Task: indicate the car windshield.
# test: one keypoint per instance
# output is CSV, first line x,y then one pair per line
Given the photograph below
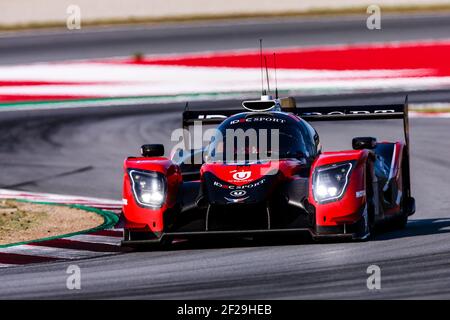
x,y
254,139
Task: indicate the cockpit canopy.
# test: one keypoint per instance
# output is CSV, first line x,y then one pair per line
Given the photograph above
x,y
260,136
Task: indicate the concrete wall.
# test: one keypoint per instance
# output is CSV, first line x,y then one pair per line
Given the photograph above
x,y
14,12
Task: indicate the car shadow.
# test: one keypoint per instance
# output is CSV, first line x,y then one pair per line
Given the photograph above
x,y
239,243
414,228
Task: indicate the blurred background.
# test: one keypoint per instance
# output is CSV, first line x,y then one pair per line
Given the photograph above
x,y
166,51
84,83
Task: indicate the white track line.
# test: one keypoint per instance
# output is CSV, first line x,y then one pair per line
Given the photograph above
x,y
125,80
115,241
5,193
51,252
413,114
3,265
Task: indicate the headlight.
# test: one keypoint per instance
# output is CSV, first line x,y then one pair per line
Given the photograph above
x,y
330,181
149,188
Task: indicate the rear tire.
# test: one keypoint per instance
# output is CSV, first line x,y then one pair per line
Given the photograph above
x,y
401,220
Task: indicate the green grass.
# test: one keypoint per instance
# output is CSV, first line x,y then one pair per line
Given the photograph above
x,y
13,220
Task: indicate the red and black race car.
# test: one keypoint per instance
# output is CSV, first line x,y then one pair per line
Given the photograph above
x,y
237,189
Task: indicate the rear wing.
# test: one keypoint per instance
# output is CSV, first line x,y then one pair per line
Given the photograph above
x,y
207,117
362,112
365,112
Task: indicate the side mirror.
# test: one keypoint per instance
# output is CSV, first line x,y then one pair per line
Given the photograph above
x,y
359,143
152,150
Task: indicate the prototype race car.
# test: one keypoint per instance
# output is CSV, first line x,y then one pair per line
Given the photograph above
x,y
292,187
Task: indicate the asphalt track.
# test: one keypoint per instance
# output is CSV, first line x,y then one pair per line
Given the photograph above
x,y
227,35
80,151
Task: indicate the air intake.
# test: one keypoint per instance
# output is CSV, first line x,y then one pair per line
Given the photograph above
x,y
261,105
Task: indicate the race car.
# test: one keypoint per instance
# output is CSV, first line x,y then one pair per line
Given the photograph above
x,y
292,187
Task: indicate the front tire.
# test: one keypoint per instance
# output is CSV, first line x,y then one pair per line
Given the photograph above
x,y
368,215
367,226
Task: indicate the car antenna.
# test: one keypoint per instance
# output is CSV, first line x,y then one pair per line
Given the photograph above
x,y
263,92
276,80
267,75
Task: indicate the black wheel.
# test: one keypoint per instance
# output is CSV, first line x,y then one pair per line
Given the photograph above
x,y
401,220
369,211
367,225
126,234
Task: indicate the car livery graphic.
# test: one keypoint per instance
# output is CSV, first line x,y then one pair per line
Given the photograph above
x,y
298,189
